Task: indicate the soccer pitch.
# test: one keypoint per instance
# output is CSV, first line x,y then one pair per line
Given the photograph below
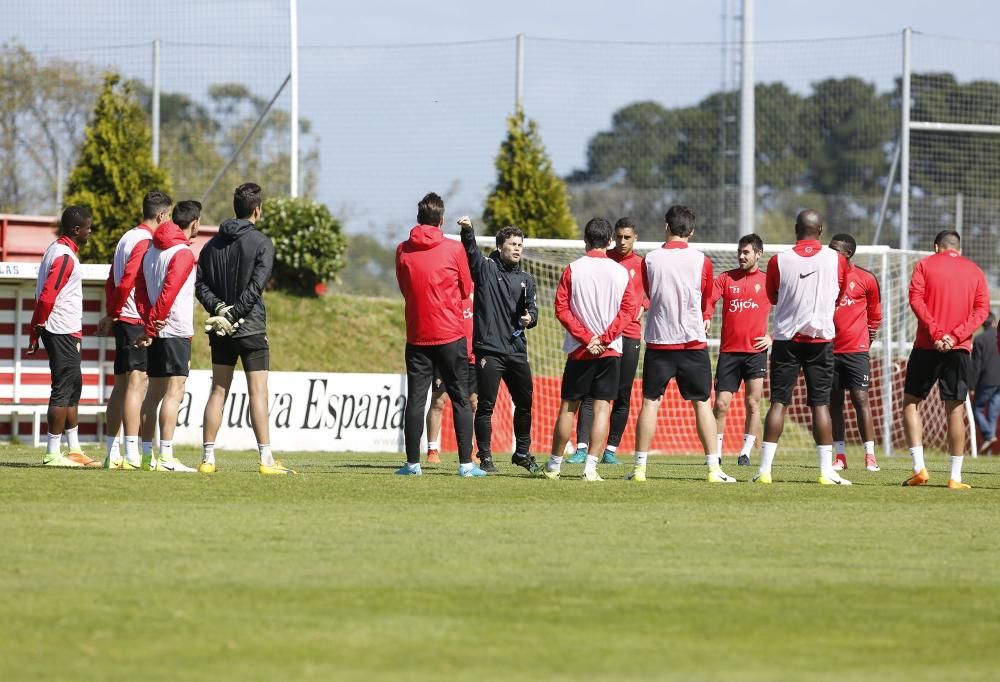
x,y
348,572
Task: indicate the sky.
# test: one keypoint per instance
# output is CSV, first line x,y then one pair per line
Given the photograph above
x,y
407,97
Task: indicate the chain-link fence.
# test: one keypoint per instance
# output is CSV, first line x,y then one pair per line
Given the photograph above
x,y
632,127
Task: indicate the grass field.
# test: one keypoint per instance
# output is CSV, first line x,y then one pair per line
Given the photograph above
x,y
347,572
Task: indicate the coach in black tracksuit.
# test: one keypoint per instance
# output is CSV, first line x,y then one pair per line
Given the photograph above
x,y
504,307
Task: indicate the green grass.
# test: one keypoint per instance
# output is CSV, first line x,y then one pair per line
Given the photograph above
x,y
329,334
347,572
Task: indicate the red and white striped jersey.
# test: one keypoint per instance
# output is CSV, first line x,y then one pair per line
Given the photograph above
x,y
804,283
59,291
678,282
165,286
594,298
119,290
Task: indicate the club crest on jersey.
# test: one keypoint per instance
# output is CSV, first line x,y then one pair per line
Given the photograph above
x,y
851,285
809,249
756,288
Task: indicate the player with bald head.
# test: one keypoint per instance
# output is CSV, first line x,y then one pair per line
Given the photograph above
x,y
804,284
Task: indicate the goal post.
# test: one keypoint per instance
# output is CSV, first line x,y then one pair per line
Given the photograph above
x,y
546,259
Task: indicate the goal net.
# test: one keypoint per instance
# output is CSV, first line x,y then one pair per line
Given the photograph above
x,y
675,433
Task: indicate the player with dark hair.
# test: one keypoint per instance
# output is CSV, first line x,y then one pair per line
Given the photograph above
x,y
744,341
503,309
233,270
433,276
950,297
678,281
122,318
165,294
625,235
804,284
594,303
58,321
858,317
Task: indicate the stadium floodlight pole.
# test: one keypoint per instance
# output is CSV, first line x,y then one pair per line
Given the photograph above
x,y
293,148
156,102
519,74
904,159
747,137
245,140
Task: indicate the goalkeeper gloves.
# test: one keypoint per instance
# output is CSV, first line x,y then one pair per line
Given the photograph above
x,y
221,325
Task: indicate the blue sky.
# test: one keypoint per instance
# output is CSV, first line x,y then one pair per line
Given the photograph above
x,y
426,111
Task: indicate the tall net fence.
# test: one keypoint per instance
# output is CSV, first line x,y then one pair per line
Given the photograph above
x,y
219,64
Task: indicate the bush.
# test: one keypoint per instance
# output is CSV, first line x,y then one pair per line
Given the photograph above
x,y
308,246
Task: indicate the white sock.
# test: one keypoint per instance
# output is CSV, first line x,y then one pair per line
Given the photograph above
x,y
416,466
718,445
825,454
583,446
208,453
870,447
554,463
265,454
956,468
132,449
767,451
52,444
840,447
917,453
611,448
114,447
433,445
166,449
713,460
640,459
748,440
147,448
73,438
591,465
465,467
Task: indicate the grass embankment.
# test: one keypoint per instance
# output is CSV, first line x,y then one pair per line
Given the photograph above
x,y
335,333
347,572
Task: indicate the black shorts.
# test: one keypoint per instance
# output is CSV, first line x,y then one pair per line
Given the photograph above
x,y
252,350
851,371
64,366
950,370
128,358
597,379
472,382
816,362
169,357
691,368
735,368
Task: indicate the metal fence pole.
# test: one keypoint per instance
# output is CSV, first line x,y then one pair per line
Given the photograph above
x,y
156,103
293,148
904,136
888,362
748,183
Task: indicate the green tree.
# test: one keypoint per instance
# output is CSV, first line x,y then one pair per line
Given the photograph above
x,y
115,168
528,192
308,245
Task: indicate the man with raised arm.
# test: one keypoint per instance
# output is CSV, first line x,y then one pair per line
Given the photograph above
x,y
594,303
745,341
804,284
950,297
504,308
858,317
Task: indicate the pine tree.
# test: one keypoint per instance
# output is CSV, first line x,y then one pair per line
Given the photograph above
x,y
528,192
115,169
